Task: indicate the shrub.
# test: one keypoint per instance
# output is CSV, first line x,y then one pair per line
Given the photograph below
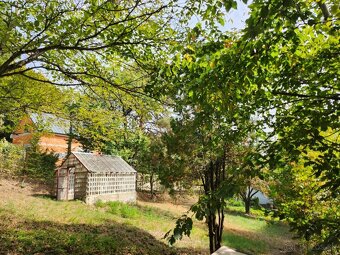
x,y
40,164
235,202
11,158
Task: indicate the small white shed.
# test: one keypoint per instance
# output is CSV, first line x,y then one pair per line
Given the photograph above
x,y
92,177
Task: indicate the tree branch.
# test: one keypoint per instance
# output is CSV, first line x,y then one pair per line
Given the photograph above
x,y
326,14
292,94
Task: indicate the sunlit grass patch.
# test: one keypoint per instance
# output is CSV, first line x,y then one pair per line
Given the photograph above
x,y
134,211
244,243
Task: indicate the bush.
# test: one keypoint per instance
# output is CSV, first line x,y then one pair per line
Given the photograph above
x,y
235,202
40,164
14,160
11,158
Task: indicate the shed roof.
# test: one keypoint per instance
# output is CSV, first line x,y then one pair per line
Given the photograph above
x,y
103,163
51,122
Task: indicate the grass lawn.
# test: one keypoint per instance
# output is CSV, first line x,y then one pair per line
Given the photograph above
x,y
38,224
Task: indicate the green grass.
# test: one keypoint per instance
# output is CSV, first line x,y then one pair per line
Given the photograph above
x,y
41,225
134,211
254,234
244,244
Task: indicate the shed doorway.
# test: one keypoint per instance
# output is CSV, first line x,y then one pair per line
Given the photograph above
x,y
66,184
71,176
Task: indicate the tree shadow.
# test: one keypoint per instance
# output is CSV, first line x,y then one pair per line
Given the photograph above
x,y
44,196
46,237
242,214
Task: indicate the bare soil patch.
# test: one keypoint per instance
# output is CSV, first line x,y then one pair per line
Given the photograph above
x,y
21,188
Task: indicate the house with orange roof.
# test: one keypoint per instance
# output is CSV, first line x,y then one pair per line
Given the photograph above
x,y
53,133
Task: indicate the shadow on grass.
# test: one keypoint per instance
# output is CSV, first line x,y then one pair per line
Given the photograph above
x,y
242,214
46,237
44,196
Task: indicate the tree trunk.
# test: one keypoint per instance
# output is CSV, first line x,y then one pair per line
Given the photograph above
x,y
247,205
211,234
213,178
69,141
70,136
151,186
215,231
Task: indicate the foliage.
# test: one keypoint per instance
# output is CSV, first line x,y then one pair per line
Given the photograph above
x,y
295,67
15,160
310,210
70,39
114,122
291,54
20,95
151,160
281,72
11,158
249,186
249,177
39,164
203,143
183,227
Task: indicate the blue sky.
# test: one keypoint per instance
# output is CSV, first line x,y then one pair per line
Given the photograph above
x,y
235,19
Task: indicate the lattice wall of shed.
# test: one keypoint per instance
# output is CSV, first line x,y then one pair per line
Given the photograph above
x,y
110,183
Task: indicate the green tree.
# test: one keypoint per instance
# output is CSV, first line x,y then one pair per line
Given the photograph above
x,y
283,69
38,163
291,56
11,158
250,177
203,156
309,209
209,126
85,43
114,122
249,185
20,95
151,160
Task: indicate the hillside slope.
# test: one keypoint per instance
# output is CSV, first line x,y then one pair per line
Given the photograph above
x,y
34,223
